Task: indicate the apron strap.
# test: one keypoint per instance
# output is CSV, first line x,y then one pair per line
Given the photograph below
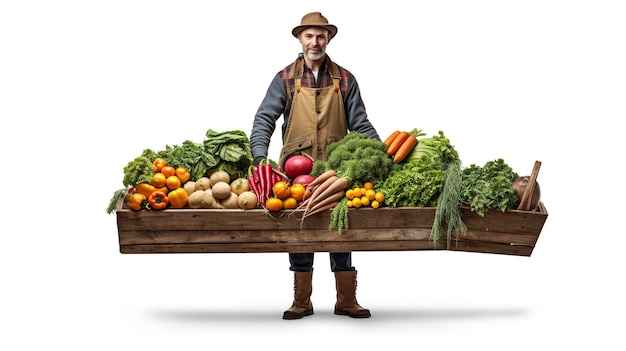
x,y
334,72
297,68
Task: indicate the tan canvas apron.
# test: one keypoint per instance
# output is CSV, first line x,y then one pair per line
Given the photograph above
x,y
317,117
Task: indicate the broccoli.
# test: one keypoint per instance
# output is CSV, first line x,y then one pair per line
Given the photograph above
x,y
359,159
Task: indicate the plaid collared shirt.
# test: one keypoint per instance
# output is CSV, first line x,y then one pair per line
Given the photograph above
x,y
324,80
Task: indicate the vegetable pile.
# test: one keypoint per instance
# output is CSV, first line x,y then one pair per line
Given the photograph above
x,y
408,169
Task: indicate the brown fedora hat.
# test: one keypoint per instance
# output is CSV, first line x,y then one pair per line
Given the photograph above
x,y
314,19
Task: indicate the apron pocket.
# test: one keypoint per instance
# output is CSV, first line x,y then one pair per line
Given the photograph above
x,y
333,138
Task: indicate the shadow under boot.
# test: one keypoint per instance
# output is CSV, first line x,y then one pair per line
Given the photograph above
x,y
346,296
303,287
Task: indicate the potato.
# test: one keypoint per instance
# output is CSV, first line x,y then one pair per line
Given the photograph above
x,y
230,201
190,187
203,183
219,176
221,190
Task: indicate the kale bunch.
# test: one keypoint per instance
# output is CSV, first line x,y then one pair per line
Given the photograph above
x,y
489,187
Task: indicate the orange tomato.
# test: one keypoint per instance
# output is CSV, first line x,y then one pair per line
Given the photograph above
x,y
281,190
183,174
158,179
298,191
168,171
274,204
172,182
290,203
380,197
350,194
365,201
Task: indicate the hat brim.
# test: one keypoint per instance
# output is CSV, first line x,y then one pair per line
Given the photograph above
x,y
332,29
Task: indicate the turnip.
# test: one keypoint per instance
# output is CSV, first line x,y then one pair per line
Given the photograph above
x,y
247,200
239,186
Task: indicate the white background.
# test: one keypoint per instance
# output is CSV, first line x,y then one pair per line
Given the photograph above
x,y
85,86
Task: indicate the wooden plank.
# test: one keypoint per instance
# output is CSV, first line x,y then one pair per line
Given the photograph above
x,y
384,229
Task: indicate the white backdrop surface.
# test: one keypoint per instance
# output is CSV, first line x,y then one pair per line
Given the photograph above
x,y
85,86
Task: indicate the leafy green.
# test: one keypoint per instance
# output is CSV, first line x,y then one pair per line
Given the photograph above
x,y
228,151
417,184
137,171
437,146
489,187
186,155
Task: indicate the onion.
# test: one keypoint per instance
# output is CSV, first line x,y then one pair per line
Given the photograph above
x,y
520,185
303,179
298,165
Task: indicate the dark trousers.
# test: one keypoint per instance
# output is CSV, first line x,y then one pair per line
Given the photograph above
x,y
303,262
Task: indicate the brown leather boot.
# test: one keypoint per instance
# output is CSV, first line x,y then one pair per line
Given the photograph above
x,y
302,305
346,296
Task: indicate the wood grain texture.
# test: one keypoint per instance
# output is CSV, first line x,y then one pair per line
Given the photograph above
x,y
383,229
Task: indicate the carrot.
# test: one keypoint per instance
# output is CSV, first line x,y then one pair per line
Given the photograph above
x,y
319,189
324,202
397,142
321,178
405,149
391,137
333,185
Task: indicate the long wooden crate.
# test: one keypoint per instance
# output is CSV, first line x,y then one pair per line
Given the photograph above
x,y
383,229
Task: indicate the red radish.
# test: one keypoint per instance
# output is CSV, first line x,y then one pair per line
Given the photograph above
x,y
298,165
304,179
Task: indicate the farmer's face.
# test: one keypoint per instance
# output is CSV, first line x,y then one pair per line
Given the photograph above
x,y
314,41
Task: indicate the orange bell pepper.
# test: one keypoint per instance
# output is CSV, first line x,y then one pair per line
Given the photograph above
x,y
137,201
158,164
158,200
147,189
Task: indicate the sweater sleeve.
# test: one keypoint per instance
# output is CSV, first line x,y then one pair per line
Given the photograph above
x,y
356,116
265,119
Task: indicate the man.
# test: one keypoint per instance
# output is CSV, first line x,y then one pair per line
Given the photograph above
x,y
320,102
